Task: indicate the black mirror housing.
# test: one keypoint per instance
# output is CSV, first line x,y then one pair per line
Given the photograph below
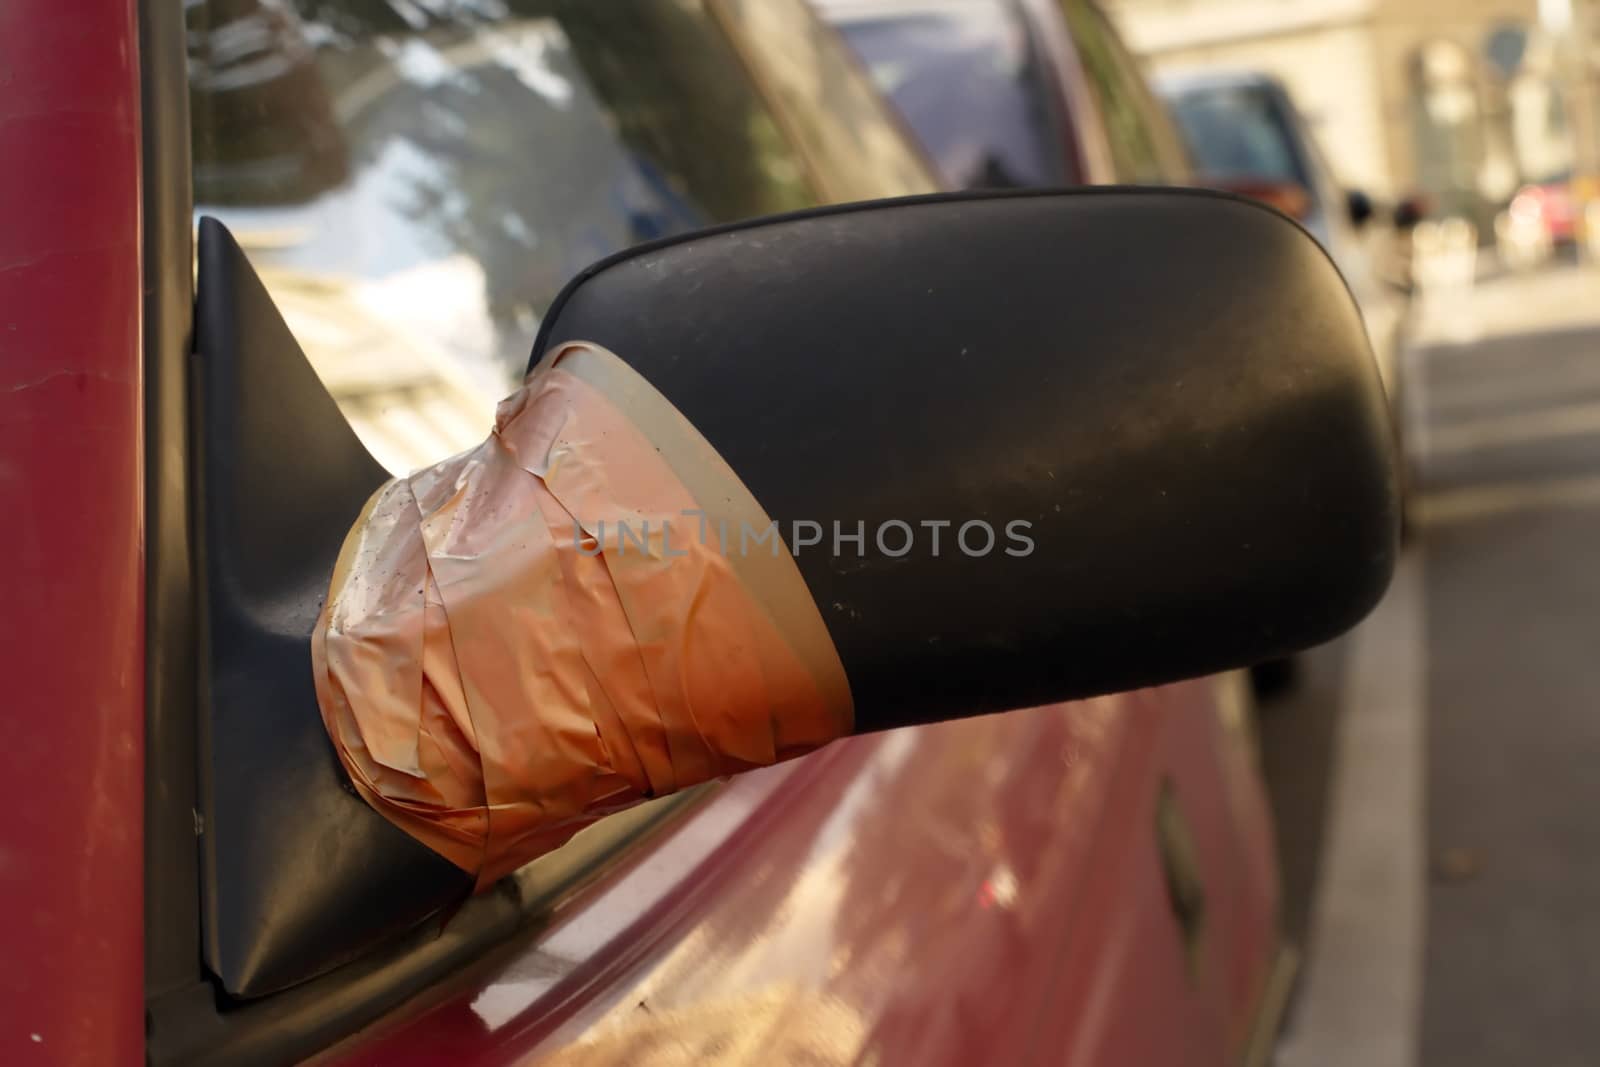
x,y
1172,388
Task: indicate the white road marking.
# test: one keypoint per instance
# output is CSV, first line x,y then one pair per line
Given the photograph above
x,y
1497,431
1360,1000
1488,501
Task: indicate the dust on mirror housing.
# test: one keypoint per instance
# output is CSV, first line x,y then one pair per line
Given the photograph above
x,y
1172,388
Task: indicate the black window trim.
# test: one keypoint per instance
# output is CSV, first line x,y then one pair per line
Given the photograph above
x,y
171,882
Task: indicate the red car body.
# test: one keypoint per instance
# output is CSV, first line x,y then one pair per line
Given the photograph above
x,y
980,892
1083,884
71,423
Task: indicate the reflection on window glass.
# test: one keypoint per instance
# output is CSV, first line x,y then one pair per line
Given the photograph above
x,y
416,179
831,109
1237,131
969,85
1125,105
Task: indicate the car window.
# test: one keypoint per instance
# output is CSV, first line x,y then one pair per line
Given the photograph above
x,y
416,181
1144,148
969,82
828,105
1238,131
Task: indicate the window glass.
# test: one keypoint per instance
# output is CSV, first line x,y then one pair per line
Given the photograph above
x,y
969,83
416,179
1144,149
832,111
1237,131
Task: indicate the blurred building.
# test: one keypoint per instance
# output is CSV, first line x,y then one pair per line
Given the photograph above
x,y
1465,100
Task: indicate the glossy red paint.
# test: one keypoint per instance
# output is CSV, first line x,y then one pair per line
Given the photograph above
x,y
986,891
71,641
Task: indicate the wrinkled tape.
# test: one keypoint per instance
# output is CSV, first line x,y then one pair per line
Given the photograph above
x,y
495,674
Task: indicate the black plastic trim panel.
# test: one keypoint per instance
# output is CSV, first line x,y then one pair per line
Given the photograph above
x,y
298,873
171,900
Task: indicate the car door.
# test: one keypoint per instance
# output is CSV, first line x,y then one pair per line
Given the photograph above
x,y
375,163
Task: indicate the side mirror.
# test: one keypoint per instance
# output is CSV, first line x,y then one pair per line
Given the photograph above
x,y
1359,207
1172,390
1291,198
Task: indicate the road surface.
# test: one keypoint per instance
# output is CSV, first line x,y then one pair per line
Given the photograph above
x,y
1455,840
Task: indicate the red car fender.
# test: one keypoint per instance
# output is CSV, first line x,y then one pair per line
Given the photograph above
x,y
988,890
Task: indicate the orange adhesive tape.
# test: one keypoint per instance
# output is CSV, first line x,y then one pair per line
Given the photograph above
x,y
537,632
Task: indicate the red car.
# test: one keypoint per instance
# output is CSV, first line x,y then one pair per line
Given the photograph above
x,y
1557,206
409,193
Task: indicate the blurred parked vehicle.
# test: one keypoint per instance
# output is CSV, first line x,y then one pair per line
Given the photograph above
x,y
1522,234
1247,136
1555,205
1011,93
190,877
1558,214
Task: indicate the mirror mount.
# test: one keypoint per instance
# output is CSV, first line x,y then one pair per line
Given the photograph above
x,y
280,477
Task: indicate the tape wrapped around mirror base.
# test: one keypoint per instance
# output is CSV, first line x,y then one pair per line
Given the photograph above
x,y
547,628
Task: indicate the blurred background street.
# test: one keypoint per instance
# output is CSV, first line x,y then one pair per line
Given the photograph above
x,y
1443,866
1471,896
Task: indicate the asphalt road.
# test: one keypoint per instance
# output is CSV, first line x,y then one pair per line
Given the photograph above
x,y
1475,939
1512,549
